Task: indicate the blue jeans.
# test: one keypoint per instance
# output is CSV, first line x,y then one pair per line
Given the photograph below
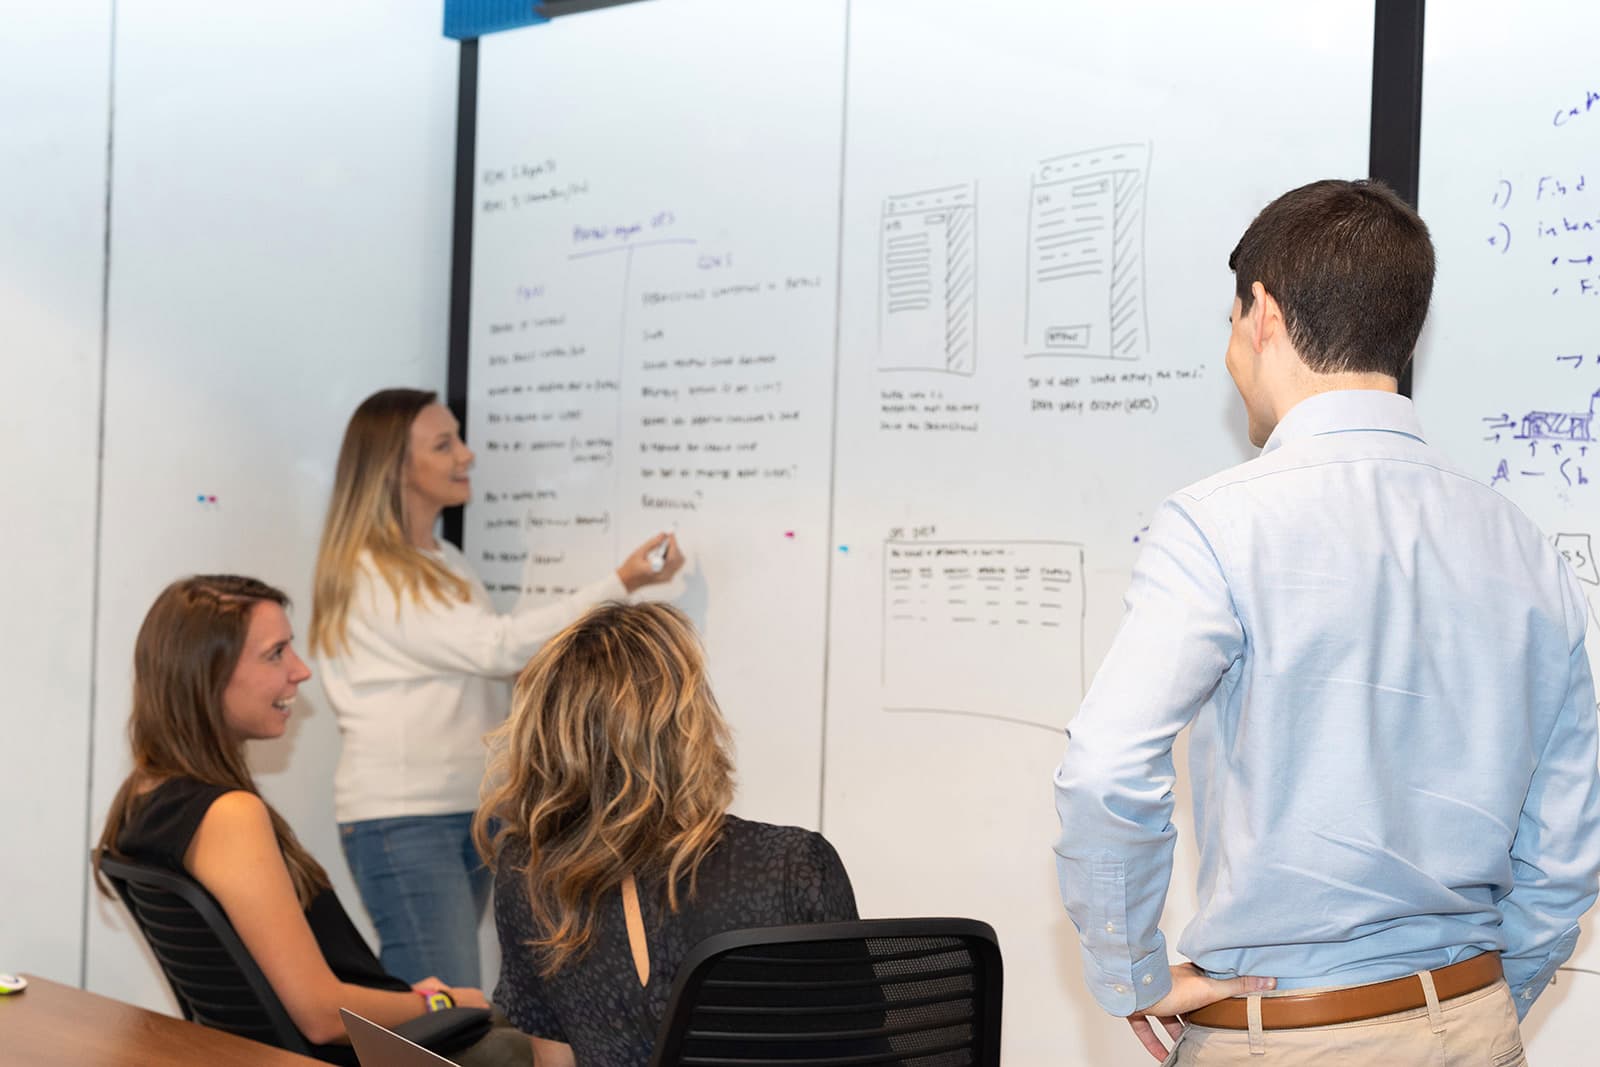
x,y
425,889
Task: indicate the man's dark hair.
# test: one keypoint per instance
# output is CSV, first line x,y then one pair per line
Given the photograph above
x,y
1350,264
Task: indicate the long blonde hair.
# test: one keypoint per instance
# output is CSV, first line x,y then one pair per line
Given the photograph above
x,y
185,654
366,514
614,762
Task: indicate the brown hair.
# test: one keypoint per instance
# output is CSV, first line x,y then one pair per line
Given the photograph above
x,y
366,515
185,655
614,762
1350,264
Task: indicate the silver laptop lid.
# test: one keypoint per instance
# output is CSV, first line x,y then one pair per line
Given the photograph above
x,y
377,1047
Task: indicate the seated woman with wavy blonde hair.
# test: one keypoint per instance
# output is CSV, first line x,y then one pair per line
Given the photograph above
x,y
608,830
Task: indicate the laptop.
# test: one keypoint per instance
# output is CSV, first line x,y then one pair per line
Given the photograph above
x,y
378,1047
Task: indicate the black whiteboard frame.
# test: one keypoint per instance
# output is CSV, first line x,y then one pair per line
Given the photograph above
x,y
1393,154
461,258
1395,149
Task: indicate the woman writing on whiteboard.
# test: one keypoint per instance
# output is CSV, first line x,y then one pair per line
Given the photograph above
x,y
413,658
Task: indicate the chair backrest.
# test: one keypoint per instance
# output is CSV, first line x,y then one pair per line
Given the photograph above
x,y
911,992
212,974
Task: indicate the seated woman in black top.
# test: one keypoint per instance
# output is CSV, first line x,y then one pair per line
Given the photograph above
x,y
612,780
214,668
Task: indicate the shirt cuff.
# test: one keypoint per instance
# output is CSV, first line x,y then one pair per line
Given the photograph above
x,y
1524,993
1129,993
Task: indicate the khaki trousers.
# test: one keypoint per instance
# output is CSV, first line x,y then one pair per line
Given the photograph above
x,y
1475,1030
503,1046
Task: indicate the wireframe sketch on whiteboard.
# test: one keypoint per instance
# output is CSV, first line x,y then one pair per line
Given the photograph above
x,y
1560,425
928,281
984,628
1086,285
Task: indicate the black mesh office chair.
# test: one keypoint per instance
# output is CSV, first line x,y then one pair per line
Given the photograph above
x,y
212,974
909,992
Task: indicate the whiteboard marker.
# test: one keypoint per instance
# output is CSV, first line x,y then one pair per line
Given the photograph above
x,y
658,555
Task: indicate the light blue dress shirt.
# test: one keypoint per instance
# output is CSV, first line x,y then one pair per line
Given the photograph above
x,y
1393,752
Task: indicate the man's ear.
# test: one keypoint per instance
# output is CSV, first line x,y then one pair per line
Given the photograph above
x,y
1266,317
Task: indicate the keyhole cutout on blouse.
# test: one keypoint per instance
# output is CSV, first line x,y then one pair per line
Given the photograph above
x,y
635,920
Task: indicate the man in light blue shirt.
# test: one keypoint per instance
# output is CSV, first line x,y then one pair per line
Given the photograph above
x,y
1393,753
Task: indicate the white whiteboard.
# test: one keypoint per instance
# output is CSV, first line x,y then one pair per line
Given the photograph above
x,y
1093,166
54,108
654,257
993,414
1509,369
258,292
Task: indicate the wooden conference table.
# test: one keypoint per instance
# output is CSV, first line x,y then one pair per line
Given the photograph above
x,y
53,1025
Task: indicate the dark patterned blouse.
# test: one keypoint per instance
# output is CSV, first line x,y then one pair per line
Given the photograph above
x,y
757,875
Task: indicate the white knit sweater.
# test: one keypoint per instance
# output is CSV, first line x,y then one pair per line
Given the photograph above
x,y
421,683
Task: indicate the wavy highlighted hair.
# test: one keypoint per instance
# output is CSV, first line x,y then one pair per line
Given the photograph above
x,y
614,762
366,517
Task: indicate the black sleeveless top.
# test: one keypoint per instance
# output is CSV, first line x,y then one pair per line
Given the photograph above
x,y
757,875
158,832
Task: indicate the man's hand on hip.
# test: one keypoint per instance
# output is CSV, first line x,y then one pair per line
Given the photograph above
x,y
1191,990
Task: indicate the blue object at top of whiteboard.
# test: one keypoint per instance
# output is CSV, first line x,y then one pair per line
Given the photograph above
x,y
465,19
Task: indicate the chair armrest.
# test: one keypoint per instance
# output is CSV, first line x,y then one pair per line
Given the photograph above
x,y
448,1030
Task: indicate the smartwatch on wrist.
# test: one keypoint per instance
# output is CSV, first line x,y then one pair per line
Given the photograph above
x,y
437,1000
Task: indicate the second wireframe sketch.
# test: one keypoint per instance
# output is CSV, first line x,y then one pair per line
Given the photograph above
x,y
1085,282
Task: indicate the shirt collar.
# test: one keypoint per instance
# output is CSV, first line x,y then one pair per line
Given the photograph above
x,y
1345,411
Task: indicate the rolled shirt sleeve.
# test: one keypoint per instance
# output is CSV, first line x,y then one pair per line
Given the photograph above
x,y
1114,787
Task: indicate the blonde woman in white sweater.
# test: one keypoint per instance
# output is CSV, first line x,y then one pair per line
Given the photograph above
x,y
414,659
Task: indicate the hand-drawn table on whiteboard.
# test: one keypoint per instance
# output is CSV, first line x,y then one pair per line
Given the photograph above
x,y
986,628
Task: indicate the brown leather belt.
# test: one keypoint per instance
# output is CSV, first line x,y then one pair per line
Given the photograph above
x,y
1330,1007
